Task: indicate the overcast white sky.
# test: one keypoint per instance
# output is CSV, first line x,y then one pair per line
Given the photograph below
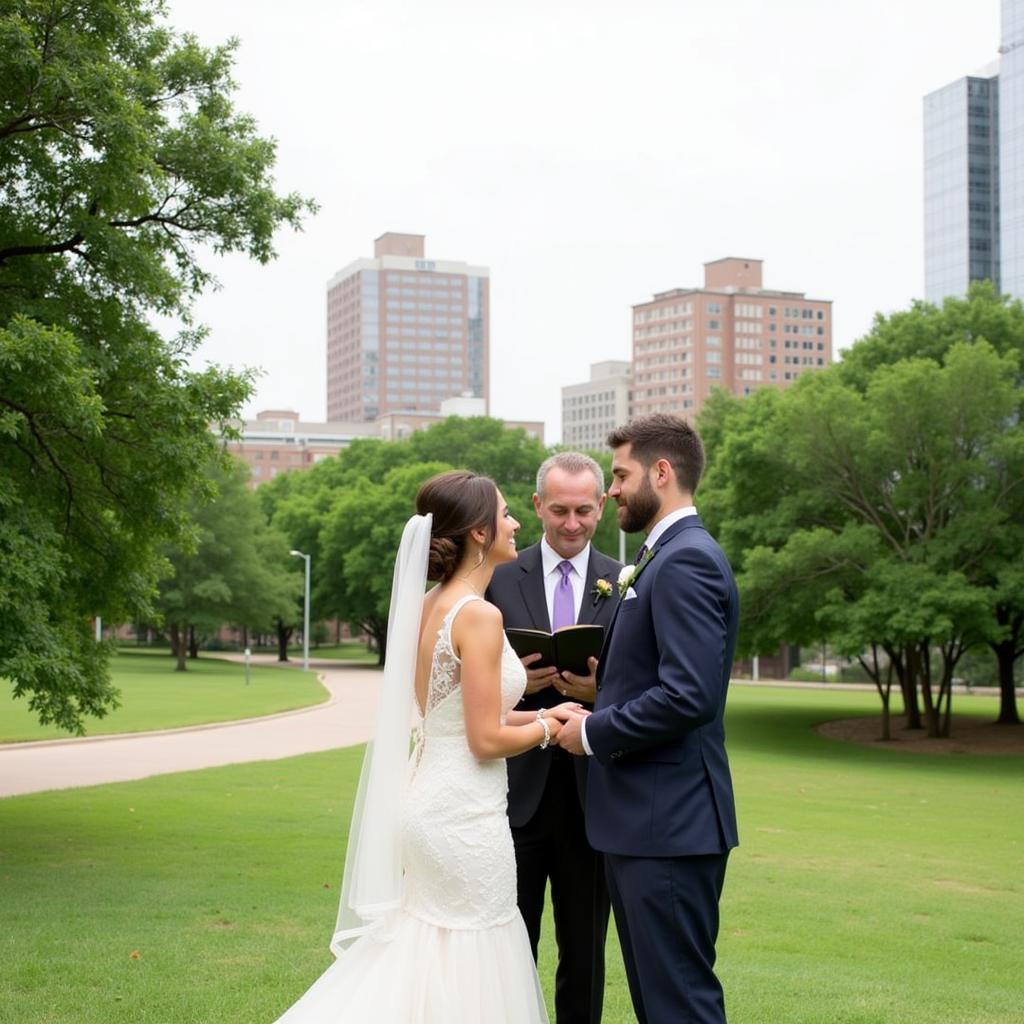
x,y
589,153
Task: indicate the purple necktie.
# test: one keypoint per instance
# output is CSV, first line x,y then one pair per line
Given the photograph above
x,y
564,608
640,554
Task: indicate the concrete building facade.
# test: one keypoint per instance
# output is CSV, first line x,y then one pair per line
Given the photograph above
x,y
405,332
277,441
591,409
732,333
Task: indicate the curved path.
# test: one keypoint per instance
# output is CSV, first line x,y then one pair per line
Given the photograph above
x,y
346,718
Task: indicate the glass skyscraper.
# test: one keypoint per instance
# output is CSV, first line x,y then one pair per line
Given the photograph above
x,y
974,173
961,186
1011,147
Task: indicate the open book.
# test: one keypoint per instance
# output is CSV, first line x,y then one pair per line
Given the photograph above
x,y
567,648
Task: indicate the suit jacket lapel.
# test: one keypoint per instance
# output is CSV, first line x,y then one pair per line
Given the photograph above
x,y
531,586
588,609
672,531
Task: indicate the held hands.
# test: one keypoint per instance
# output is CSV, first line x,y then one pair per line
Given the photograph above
x,y
564,721
556,718
563,712
569,734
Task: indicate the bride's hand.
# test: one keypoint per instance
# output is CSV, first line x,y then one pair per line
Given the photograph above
x,y
562,712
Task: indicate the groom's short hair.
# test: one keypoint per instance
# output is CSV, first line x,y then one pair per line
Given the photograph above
x,y
663,436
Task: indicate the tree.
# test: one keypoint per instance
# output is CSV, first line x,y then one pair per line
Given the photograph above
x,y
236,571
358,542
121,160
869,512
348,511
930,331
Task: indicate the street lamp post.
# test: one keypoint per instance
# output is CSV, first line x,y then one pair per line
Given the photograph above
x,y
305,612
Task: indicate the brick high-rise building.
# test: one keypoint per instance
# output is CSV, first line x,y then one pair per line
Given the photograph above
x,y
733,333
405,332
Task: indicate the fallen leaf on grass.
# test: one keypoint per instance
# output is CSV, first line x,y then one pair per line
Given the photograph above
x,y
134,955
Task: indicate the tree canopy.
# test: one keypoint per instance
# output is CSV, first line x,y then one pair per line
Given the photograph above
x,y
348,511
235,569
122,162
879,503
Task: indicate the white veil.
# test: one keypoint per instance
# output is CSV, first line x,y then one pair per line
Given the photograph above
x,y
371,889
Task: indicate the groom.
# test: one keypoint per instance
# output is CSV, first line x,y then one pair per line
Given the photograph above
x,y
659,796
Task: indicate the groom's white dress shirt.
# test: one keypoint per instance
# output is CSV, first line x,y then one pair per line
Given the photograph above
x,y
650,540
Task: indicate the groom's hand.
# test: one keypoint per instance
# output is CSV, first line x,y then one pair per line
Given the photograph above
x,y
581,688
569,735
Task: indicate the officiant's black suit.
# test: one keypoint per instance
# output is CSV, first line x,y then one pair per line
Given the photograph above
x,y
546,795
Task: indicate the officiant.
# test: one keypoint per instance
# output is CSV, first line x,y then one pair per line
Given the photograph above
x,y
560,581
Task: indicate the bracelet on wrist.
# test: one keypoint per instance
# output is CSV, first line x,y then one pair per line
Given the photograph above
x,y
540,713
547,733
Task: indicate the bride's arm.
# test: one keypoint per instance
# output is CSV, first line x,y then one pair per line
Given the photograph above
x,y
478,639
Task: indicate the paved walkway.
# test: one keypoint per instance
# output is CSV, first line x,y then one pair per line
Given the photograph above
x,y
345,719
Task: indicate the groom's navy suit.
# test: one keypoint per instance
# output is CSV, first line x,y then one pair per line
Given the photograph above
x,y
659,794
546,791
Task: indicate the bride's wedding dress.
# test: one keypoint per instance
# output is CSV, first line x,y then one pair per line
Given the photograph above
x,y
459,952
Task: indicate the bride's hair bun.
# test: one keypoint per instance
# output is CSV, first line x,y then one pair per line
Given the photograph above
x,y
459,502
444,558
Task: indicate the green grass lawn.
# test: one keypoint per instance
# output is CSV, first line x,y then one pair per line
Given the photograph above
x,y
871,887
154,696
347,650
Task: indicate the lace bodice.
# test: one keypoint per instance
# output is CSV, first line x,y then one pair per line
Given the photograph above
x,y
443,717
457,854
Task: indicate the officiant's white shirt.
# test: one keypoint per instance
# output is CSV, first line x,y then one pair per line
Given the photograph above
x,y
650,540
550,561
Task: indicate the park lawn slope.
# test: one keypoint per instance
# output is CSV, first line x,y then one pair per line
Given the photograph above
x,y
154,696
870,887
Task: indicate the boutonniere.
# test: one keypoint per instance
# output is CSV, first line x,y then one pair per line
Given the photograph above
x,y
602,589
628,573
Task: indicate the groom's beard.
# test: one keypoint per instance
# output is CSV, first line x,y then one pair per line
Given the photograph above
x,y
637,510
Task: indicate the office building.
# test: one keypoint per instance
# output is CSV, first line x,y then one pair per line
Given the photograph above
x,y
974,173
732,333
1011,149
961,185
593,408
405,332
277,441
394,426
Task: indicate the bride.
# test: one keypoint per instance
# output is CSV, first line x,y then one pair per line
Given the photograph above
x,y
428,929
